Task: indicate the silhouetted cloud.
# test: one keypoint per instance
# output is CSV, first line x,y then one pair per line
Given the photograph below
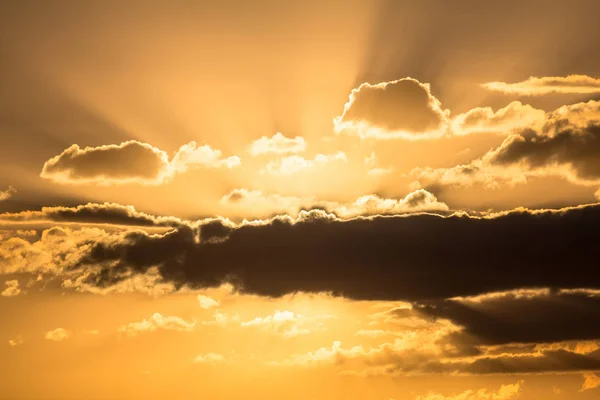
x,y
404,108
92,213
516,115
402,257
129,162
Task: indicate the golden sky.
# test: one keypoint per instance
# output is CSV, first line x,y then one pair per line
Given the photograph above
x,y
360,199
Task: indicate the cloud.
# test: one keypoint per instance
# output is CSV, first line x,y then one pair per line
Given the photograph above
x,y
8,193
404,109
209,358
590,381
294,164
207,302
519,316
12,288
533,86
287,323
58,334
16,342
129,162
93,213
506,392
411,257
565,144
485,120
278,144
158,322
253,200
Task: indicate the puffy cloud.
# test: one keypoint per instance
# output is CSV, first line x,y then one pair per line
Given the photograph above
x,y
404,108
12,288
58,334
294,164
191,155
485,120
129,162
565,144
533,86
590,381
206,302
16,342
505,392
385,257
8,193
278,144
158,322
93,213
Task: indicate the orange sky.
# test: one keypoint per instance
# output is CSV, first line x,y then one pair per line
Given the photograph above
x,y
299,200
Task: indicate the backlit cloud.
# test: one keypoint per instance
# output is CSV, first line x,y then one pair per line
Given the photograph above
x,y
534,86
590,381
12,288
505,392
7,194
404,109
485,120
294,164
278,144
158,322
130,162
58,334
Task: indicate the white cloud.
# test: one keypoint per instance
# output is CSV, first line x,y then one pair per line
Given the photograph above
x,y
294,164
158,322
58,334
207,302
278,144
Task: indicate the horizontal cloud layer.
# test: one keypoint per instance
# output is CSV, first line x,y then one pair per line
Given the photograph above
x,y
398,257
533,86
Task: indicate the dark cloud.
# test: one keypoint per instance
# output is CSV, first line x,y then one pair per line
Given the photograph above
x,y
410,257
577,148
91,213
402,106
519,317
128,161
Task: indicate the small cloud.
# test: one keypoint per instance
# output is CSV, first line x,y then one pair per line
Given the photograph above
x,y
278,144
15,342
58,334
209,358
12,288
294,164
8,193
590,381
158,322
207,302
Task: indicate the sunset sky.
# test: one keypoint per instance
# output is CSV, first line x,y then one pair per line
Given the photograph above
x,y
304,200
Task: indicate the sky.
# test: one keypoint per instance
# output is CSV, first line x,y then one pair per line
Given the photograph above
x,y
356,200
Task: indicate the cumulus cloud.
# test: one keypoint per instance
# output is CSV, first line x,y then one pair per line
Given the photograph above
x,y
485,120
382,257
294,164
278,144
158,322
287,323
565,144
12,288
8,193
534,86
590,381
58,334
506,392
129,162
404,108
